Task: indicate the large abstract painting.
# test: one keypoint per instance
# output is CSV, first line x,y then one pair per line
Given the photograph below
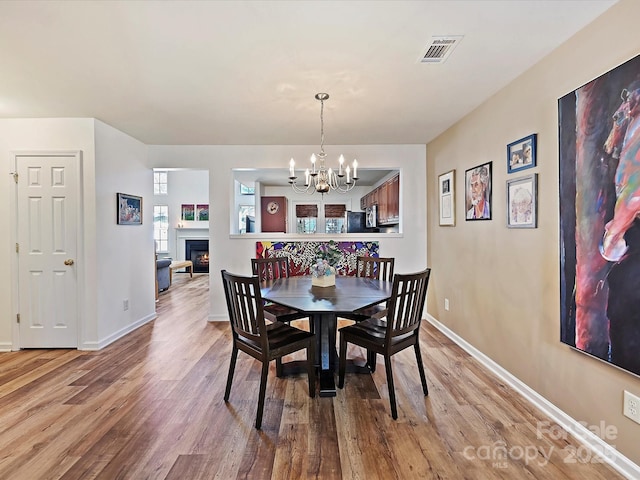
x,y
304,254
599,205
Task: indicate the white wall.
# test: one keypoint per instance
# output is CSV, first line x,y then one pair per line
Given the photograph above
x,y
126,262
111,162
233,252
46,135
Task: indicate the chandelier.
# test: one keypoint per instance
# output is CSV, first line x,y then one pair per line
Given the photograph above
x,y
319,178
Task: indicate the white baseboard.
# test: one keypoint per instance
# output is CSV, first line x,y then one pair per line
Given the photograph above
x,y
616,459
6,346
117,335
218,318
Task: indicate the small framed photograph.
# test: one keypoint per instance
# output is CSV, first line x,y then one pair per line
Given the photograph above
x,y
188,211
521,154
202,212
446,193
522,202
478,192
129,209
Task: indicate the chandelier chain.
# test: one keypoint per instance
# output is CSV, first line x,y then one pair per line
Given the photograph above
x,y
318,178
322,128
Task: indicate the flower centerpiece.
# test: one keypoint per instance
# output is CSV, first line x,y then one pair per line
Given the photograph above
x,y
323,273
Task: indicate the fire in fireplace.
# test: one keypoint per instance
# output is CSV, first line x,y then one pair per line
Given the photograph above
x,y
198,252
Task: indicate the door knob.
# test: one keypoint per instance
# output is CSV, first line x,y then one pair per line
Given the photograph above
x,y
68,262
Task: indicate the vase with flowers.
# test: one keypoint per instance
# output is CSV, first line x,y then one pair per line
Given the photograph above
x,y
323,272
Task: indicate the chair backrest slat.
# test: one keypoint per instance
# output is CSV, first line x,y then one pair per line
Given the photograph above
x,y
244,304
375,267
406,303
270,268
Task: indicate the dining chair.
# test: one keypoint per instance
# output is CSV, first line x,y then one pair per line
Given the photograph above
x,y
264,342
377,268
399,330
272,268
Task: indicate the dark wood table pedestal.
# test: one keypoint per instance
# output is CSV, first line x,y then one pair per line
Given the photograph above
x,y
325,325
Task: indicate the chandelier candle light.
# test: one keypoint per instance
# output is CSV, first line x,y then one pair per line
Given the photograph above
x,y
319,179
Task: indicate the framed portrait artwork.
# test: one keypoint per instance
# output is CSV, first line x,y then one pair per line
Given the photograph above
x,y
521,154
478,192
522,202
188,211
129,209
447,198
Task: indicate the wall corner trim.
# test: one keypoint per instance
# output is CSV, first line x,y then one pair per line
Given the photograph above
x,y
582,434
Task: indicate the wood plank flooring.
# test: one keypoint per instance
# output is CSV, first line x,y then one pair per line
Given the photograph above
x,y
151,406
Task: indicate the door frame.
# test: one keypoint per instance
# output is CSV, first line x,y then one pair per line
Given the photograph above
x,y
80,264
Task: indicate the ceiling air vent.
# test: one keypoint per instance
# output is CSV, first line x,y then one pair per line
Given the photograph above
x,y
440,48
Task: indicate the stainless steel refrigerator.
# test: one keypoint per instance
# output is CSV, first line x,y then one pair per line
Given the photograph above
x,y
356,222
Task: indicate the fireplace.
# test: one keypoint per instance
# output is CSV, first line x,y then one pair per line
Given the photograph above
x,y
198,252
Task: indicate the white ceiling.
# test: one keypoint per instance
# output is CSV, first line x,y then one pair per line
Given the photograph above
x,y
246,72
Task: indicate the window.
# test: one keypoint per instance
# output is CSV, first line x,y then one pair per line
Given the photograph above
x,y
244,190
160,183
306,225
306,218
335,218
161,228
335,225
247,218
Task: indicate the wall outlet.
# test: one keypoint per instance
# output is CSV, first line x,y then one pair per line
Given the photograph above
x,y
631,407
125,305
446,304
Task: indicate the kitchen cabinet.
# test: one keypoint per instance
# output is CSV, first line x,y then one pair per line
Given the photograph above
x,y
387,198
393,200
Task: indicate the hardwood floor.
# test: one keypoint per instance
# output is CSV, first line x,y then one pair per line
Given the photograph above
x,y
151,406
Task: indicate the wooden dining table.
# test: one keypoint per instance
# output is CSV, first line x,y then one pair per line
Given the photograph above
x,y
324,305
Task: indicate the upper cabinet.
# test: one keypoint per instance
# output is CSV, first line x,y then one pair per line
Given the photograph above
x,y
387,198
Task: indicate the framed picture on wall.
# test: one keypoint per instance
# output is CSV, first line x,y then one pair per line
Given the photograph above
x,y
521,154
129,209
599,141
478,192
447,198
522,202
202,212
188,211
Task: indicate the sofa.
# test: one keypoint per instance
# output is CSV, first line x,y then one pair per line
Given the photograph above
x,y
162,267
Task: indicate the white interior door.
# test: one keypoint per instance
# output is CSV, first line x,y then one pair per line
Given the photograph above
x,y
47,245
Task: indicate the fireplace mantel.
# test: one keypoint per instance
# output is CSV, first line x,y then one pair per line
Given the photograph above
x,y
188,233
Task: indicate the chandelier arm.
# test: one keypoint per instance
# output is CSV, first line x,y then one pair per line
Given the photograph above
x,y
345,188
308,190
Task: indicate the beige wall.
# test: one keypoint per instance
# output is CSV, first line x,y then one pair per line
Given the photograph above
x,y
503,284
